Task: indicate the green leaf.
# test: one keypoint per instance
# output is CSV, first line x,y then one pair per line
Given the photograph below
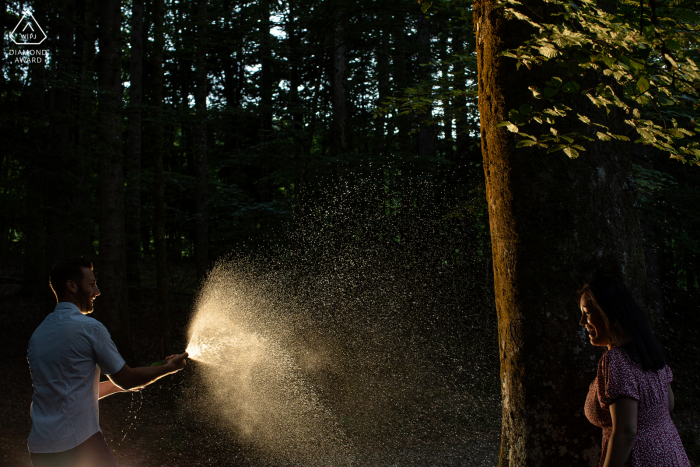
x,y
687,15
673,45
425,5
509,126
571,152
643,84
571,86
551,92
584,119
646,135
525,109
603,136
524,143
548,51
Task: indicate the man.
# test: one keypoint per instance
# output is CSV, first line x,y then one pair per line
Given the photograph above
x,y
66,355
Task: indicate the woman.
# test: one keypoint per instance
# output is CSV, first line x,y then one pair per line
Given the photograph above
x,y
631,398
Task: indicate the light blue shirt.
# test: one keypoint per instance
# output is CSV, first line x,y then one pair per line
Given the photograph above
x,y
66,353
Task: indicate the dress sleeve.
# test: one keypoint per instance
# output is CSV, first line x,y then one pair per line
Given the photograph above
x,y
667,374
616,378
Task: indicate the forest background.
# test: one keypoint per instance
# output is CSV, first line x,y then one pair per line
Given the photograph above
x,y
156,137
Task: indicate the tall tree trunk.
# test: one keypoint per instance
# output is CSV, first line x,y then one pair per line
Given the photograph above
x,y
36,268
159,181
86,127
114,304
425,135
62,219
133,184
446,104
380,131
459,103
201,243
400,81
555,223
340,111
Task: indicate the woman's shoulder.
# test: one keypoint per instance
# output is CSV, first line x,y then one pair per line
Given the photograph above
x,y
615,354
616,359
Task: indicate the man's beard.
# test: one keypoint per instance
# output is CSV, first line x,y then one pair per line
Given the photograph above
x,y
84,302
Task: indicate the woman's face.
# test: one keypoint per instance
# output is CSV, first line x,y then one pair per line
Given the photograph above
x,y
592,318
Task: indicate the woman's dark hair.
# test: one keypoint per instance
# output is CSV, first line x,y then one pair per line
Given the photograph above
x,y
65,270
627,323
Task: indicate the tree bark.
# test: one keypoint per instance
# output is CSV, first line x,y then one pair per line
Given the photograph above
x,y
159,181
201,243
133,185
425,134
383,87
555,223
113,305
340,112
63,221
36,268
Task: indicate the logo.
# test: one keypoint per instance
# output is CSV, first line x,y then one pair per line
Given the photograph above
x,y
28,31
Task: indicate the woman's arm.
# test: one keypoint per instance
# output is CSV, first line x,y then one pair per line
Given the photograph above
x,y
671,400
624,432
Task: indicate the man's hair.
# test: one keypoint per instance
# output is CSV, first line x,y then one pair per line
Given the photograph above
x,y
65,270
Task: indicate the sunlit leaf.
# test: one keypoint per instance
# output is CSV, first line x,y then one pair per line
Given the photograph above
x,y
571,152
643,84
524,143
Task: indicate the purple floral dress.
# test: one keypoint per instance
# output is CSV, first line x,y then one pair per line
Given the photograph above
x,y
657,443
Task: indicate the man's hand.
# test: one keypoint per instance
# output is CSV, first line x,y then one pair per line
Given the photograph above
x,y
131,378
178,362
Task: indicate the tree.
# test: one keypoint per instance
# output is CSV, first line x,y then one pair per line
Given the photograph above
x,y
555,223
201,243
114,306
133,186
159,180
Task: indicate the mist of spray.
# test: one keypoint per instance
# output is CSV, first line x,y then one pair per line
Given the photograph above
x,y
253,382
359,335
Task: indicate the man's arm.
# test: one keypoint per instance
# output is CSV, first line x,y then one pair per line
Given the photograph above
x,y
130,378
107,388
624,417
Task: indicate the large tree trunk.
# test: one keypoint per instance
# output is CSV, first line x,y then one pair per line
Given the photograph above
x,y
159,181
201,242
133,185
36,268
114,306
555,223
62,220
340,111
86,127
383,87
425,135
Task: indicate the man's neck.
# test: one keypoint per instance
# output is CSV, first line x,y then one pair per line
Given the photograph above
x,y
73,301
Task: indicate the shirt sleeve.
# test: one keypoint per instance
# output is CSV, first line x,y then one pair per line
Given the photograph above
x,y
106,353
615,379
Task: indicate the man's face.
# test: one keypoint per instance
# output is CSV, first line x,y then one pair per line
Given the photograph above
x,y
87,291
